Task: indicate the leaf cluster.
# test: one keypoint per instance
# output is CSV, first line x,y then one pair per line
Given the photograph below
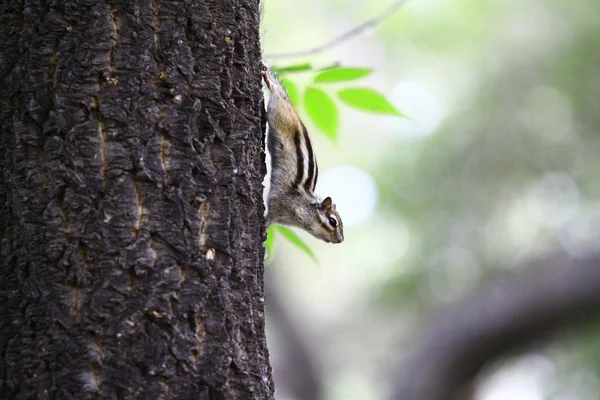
x,y
318,100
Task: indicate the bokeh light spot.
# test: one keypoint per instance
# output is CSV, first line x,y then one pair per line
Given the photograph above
x,y
352,190
424,109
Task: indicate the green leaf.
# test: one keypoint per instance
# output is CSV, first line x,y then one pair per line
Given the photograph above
x,y
296,241
322,110
293,68
339,74
292,92
270,242
369,100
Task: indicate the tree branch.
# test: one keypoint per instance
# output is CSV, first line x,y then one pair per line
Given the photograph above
x,y
388,12
463,338
298,372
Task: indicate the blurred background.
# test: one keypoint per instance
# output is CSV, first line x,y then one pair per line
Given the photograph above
x,y
497,165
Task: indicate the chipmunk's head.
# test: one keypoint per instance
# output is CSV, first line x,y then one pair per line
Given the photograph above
x,y
328,227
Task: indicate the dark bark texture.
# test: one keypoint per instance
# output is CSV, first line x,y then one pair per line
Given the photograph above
x,y
131,214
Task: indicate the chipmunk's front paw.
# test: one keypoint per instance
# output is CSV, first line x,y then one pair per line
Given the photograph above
x,y
264,71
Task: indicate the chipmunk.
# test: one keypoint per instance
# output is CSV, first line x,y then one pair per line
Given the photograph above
x,y
291,200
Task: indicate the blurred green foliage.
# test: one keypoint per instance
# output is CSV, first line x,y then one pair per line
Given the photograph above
x,y
322,110
499,165
319,104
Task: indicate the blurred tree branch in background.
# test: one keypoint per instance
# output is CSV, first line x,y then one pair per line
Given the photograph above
x,y
357,30
297,373
503,317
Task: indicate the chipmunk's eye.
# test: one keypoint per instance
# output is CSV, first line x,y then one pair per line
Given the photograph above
x,y
333,222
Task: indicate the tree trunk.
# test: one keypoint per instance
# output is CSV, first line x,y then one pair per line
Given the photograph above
x,y
131,214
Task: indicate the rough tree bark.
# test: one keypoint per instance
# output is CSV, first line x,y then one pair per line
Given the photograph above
x,y
131,214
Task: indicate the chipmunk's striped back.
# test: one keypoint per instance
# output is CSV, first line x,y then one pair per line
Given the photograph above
x,y
307,170
294,171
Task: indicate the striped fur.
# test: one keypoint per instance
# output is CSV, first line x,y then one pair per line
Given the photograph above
x,y
313,170
307,170
294,171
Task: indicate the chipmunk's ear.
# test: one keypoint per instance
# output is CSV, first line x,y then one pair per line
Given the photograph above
x,y
326,203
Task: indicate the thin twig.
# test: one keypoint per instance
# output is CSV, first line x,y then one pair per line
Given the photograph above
x,y
345,36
